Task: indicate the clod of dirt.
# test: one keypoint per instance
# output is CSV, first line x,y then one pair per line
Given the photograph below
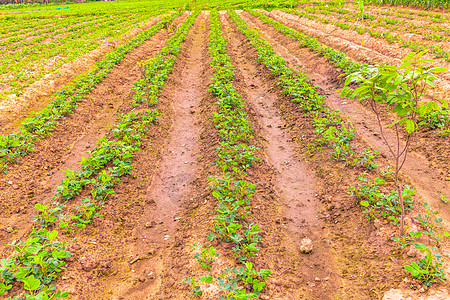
x,y
412,252
150,224
306,246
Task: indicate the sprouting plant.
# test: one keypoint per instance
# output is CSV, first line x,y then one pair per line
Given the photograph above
x,y
407,240
367,159
432,225
387,174
48,215
361,8
233,281
85,213
205,256
400,89
428,270
195,285
379,204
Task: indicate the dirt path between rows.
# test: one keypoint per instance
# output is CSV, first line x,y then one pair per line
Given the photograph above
x,y
36,177
430,182
132,252
294,183
362,48
173,183
35,97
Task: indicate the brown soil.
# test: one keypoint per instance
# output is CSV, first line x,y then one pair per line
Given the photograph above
x,y
141,248
324,76
402,33
417,20
292,182
405,10
150,207
35,97
39,33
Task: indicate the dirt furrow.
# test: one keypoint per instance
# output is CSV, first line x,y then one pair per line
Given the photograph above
x,y
362,48
429,181
418,36
293,182
173,183
364,254
141,220
36,177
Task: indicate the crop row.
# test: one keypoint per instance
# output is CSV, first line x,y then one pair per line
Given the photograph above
x,y
400,12
21,68
417,3
439,33
439,120
20,143
31,28
41,258
230,187
373,195
392,39
46,31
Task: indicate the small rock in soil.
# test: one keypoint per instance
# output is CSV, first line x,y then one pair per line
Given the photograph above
x,y
412,252
149,225
306,245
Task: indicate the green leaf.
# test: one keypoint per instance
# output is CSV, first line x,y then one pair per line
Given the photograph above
x,y
51,235
364,203
264,273
217,194
438,70
31,283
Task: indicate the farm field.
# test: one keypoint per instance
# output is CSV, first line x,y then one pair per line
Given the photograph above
x,y
225,150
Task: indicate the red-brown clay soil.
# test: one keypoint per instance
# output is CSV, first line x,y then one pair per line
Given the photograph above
x,y
35,97
403,34
399,10
341,221
293,182
429,183
141,248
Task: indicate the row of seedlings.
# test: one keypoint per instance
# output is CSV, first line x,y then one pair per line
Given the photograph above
x,y
20,143
41,257
403,42
395,24
230,187
329,127
23,65
437,120
331,132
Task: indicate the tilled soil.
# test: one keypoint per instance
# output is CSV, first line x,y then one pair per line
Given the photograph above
x,y
430,181
363,48
35,178
294,184
141,248
35,97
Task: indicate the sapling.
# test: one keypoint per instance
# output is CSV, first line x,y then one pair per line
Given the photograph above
x,y
401,90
